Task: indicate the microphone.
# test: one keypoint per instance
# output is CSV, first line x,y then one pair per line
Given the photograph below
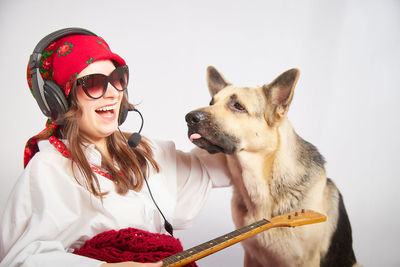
x,y
135,138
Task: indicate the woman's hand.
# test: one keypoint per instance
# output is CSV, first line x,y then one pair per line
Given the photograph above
x,y
132,264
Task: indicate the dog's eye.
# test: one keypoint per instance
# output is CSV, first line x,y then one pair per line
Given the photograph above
x,y
239,107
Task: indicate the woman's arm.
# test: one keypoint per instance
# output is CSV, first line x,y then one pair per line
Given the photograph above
x,y
45,214
189,177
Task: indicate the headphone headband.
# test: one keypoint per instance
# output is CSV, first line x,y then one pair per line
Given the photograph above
x,y
48,39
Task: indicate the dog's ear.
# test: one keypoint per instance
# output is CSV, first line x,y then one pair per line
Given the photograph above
x,y
279,95
215,81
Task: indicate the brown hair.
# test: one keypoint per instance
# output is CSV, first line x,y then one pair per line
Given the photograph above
x,y
127,169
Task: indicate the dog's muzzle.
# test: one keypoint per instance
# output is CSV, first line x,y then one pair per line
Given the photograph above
x,y
204,133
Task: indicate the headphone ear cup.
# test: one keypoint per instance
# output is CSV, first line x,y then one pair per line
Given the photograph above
x,y
56,100
124,109
49,96
123,113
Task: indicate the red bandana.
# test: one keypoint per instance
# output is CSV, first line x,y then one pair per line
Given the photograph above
x,y
61,62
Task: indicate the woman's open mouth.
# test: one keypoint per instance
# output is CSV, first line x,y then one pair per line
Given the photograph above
x,y
107,112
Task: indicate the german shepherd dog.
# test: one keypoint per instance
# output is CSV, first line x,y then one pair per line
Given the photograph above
x,y
274,171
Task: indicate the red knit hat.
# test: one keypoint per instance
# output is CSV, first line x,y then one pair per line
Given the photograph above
x,y
61,62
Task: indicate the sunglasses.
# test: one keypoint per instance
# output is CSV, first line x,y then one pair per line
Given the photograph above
x,y
95,85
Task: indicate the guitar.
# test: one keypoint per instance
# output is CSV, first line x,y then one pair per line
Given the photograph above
x,y
292,219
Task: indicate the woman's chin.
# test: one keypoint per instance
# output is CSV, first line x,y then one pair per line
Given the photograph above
x,y
109,130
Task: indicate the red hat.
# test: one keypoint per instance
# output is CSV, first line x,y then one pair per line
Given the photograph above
x,y
65,58
61,62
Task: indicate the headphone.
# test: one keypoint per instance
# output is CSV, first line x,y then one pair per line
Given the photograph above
x,y
49,96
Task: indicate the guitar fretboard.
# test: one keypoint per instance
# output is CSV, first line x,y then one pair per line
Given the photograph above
x,y
212,243
291,219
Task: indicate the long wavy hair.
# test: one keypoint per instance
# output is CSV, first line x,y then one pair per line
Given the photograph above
x,y
128,170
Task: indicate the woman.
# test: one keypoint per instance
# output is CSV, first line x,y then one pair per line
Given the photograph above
x,y
81,179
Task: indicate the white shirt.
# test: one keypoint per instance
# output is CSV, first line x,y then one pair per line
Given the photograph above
x,y
49,214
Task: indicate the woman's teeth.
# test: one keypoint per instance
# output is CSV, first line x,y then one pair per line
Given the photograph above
x,y
106,108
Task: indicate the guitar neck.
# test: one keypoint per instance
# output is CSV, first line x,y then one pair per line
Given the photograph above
x,y
217,244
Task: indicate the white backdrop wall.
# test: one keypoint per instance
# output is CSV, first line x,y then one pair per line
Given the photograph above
x,y
346,101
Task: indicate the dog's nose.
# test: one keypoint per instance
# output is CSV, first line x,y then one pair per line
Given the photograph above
x,y
194,117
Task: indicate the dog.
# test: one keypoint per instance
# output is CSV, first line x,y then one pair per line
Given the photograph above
x,y
274,171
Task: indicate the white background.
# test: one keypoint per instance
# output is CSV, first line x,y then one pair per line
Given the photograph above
x,y
346,101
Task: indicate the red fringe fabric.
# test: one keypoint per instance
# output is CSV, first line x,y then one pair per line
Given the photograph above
x,y
131,244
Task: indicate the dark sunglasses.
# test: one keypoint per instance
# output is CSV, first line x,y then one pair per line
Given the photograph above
x,y
95,85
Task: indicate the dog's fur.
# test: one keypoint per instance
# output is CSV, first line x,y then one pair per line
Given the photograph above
x,y
274,172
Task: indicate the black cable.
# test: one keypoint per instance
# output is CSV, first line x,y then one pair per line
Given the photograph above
x,y
168,227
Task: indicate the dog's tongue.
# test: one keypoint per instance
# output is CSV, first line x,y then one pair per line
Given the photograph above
x,y
194,137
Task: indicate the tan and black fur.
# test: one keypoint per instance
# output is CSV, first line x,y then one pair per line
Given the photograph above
x,y
274,172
